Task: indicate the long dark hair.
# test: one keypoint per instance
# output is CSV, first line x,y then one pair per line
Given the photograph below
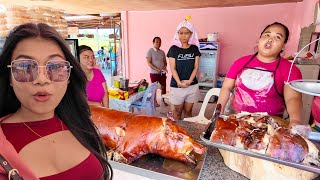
x,y
285,28
73,109
83,48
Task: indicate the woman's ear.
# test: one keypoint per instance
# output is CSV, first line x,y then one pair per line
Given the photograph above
x,y
283,48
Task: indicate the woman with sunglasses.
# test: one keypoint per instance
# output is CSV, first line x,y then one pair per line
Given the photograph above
x,y
46,131
97,91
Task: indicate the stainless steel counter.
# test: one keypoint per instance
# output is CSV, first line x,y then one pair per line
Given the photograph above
x,y
212,165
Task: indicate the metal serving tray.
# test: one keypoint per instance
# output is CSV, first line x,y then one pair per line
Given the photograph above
x,y
309,168
169,167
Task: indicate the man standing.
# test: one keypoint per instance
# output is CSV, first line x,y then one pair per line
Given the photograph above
x,y
102,58
157,62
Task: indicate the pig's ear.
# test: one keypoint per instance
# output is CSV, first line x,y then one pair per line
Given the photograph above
x,y
170,116
166,126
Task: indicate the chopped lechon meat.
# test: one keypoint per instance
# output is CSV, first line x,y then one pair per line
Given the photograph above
x,y
224,132
287,146
261,133
251,137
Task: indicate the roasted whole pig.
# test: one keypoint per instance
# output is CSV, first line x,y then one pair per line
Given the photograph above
x,y
130,136
261,133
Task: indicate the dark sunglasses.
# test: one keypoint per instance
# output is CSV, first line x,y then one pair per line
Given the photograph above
x,y
27,70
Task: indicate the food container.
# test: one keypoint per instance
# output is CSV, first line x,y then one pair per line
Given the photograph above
x,y
116,84
124,84
212,37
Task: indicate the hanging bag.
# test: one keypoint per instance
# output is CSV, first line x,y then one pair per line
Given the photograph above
x,y
13,174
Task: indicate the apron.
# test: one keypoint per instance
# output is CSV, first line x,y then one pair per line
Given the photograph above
x,y
255,91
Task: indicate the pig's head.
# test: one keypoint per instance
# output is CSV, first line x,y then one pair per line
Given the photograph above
x,y
178,144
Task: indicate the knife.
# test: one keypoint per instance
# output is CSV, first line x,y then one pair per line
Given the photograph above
x,y
211,126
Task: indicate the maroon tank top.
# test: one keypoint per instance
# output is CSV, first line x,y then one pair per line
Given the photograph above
x,y
19,136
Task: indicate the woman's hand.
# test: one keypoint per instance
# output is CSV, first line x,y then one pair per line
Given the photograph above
x,y
165,69
189,82
182,84
296,122
186,82
302,130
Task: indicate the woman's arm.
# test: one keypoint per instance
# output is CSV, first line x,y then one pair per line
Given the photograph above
x,y
194,71
227,86
94,103
105,99
152,66
174,72
293,100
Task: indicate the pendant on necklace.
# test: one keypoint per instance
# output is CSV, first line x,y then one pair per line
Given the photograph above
x,y
48,140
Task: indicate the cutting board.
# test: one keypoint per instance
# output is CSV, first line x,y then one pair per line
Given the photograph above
x,y
260,169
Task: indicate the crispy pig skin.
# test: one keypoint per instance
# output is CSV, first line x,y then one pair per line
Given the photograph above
x,y
224,131
251,137
136,135
287,146
265,135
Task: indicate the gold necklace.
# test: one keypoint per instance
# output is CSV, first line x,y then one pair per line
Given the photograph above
x,y
51,140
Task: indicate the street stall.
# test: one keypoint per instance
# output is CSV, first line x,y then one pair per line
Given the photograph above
x,y
122,94
123,104
149,161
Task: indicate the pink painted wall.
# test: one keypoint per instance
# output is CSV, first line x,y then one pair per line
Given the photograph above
x,y
238,27
308,9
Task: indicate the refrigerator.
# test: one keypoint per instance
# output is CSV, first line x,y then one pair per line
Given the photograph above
x,y
73,45
208,67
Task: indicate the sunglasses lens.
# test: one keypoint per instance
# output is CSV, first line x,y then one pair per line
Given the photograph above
x,y
58,71
24,70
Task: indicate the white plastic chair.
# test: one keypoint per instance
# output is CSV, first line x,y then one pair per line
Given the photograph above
x,y
200,118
